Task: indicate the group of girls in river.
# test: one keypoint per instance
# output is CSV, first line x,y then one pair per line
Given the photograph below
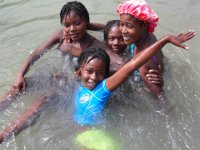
x,y
101,66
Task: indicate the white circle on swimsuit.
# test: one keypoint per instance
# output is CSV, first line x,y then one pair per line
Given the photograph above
x,y
84,98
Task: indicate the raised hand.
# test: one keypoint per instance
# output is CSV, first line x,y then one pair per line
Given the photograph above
x,y
183,37
66,37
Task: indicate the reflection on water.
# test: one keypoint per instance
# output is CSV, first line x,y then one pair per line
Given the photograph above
x,y
132,115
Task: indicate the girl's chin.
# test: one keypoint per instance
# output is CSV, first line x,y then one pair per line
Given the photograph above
x,y
128,42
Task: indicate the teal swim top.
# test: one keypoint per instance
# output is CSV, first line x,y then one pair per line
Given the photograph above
x,y
136,74
131,50
90,103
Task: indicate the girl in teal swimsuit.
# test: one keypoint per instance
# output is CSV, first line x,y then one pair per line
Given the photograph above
x,y
95,85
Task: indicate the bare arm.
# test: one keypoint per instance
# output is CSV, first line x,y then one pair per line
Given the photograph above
x,y
120,76
55,37
155,76
153,63
20,83
154,88
25,119
96,26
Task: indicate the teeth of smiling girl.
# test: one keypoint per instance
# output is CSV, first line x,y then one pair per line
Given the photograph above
x,y
73,35
92,84
126,38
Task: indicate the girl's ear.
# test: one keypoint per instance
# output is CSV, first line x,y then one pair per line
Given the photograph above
x,y
77,73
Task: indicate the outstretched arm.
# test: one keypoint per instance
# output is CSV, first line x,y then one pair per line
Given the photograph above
x,y
20,82
24,120
120,76
6,100
96,26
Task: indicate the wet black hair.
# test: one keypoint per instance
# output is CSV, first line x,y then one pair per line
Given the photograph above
x,y
108,26
77,7
91,53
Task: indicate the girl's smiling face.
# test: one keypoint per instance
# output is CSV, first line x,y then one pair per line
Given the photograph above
x,y
92,72
115,40
131,29
74,26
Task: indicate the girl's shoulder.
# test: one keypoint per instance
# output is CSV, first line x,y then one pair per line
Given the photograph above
x,y
152,38
94,42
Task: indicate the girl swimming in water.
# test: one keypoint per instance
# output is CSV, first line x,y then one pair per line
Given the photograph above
x,y
96,86
114,40
137,24
72,39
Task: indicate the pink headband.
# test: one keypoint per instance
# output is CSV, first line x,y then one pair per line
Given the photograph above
x,y
140,10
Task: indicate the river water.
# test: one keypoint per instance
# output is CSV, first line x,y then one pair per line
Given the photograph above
x,y
133,118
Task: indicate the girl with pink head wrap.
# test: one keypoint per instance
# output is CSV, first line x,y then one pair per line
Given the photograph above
x,y
137,24
140,10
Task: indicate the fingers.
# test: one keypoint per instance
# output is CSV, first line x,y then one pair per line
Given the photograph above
x,y
184,46
180,34
183,37
9,93
156,80
160,69
191,34
13,91
66,37
153,71
155,76
69,40
187,36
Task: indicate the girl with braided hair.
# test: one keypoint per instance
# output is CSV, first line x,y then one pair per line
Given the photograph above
x,y
96,86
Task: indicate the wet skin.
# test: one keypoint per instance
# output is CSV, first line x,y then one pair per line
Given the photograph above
x,y
115,40
92,73
135,31
74,26
132,29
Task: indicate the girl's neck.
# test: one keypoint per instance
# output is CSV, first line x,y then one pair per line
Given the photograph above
x,y
142,41
82,40
120,53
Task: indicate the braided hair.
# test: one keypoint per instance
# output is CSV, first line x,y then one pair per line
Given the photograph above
x,y
108,26
78,8
92,53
